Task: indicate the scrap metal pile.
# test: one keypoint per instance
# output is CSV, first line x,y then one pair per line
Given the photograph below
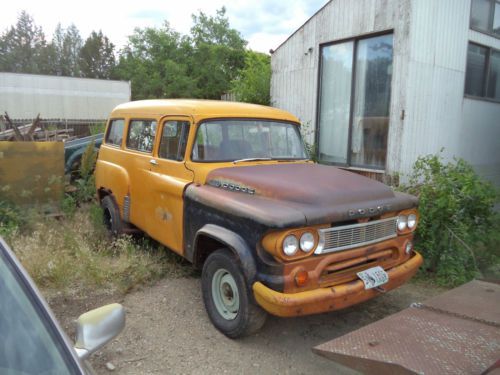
x,y
36,131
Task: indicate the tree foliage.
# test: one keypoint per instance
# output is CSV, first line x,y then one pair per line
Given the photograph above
x,y
24,49
97,58
162,63
253,83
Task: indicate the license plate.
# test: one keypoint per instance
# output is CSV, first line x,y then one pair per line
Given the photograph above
x,y
373,277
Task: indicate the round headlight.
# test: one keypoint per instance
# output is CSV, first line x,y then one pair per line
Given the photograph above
x,y
412,221
402,222
290,245
306,242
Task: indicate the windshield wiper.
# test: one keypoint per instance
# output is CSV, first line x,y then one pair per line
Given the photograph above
x,y
251,159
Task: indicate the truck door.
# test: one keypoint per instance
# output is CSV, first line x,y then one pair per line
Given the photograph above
x,y
167,181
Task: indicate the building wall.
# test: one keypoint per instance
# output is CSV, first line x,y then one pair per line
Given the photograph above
x,y
428,109
26,95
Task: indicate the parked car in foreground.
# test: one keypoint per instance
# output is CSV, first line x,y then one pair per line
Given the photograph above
x,y
229,186
32,342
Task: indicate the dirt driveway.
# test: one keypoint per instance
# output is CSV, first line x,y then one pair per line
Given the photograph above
x,y
168,332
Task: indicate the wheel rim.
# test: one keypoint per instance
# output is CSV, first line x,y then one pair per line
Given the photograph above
x,y
225,294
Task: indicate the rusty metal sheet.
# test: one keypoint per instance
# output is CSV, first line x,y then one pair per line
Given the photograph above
x,y
32,172
478,300
449,336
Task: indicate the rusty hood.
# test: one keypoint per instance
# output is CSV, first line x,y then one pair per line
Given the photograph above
x,y
298,194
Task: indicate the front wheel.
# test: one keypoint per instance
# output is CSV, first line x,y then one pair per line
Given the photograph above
x,y
226,297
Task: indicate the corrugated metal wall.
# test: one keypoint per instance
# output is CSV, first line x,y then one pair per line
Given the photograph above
x,y
430,52
26,95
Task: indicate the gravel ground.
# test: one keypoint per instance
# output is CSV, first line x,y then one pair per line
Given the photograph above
x,y
168,332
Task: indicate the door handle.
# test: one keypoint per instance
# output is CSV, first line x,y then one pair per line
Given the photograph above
x,y
153,162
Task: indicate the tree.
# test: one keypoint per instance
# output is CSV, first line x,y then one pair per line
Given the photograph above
x,y
156,61
67,45
254,81
97,59
22,47
218,54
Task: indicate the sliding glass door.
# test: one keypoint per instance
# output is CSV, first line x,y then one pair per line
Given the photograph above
x,y
355,89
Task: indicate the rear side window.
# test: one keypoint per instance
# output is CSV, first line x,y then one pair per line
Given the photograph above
x,y
115,132
141,135
173,140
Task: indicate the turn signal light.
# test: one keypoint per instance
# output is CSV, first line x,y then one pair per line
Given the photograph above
x,y
301,278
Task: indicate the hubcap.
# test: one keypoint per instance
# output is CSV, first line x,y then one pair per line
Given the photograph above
x,y
225,294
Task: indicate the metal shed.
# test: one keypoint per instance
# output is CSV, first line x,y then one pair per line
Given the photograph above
x,y
439,87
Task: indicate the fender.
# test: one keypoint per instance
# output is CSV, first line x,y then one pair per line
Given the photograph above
x,y
115,178
235,243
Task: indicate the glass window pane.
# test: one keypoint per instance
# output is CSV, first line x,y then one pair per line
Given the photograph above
x,y
480,14
141,135
496,19
29,344
494,76
475,71
173,140
115,132
372,94
335,101
229,140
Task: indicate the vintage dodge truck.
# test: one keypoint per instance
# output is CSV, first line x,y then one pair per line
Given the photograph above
x,y
230,187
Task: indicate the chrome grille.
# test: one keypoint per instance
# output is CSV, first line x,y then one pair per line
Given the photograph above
x,y
356,235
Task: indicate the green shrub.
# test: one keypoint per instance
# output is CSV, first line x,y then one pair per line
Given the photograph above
x,y
11,218
456,218
85,183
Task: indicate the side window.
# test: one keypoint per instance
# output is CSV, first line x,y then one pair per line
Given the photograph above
x,y
173,140
141,135
115,132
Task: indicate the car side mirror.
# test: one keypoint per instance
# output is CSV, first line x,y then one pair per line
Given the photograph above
x,y
96,328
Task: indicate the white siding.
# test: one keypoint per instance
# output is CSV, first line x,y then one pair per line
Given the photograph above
x,y
24,96
430,53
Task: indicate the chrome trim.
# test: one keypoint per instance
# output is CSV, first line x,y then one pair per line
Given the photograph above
x,y
355,235
126,208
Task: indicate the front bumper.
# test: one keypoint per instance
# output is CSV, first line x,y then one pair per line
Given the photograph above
x,y
332,298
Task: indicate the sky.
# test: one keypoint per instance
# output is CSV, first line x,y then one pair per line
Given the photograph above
x,y
265,24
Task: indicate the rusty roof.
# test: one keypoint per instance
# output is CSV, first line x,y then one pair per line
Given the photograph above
x,y
201,109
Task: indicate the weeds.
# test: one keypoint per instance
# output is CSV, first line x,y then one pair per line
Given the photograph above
x,y
77,254
458,229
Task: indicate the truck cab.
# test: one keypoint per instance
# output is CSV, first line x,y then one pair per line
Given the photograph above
x,y
230,187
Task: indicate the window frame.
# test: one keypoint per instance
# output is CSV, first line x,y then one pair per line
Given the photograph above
x,y
200,123
491,16
108,129
487,65
181,157
317,132
129,122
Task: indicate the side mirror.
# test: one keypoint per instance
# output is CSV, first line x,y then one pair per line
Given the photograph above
x,y
96,328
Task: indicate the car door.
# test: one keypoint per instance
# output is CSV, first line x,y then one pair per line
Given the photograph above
x,y
167,181
138,153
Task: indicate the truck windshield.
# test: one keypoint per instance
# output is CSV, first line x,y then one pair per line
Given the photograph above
x,y
237,140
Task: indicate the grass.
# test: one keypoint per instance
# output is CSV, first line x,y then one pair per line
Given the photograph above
x,y
76,253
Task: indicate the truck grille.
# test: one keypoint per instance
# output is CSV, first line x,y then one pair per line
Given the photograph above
x,y
356,235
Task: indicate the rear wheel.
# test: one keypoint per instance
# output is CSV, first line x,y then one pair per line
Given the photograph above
x,y
226,296
111,216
